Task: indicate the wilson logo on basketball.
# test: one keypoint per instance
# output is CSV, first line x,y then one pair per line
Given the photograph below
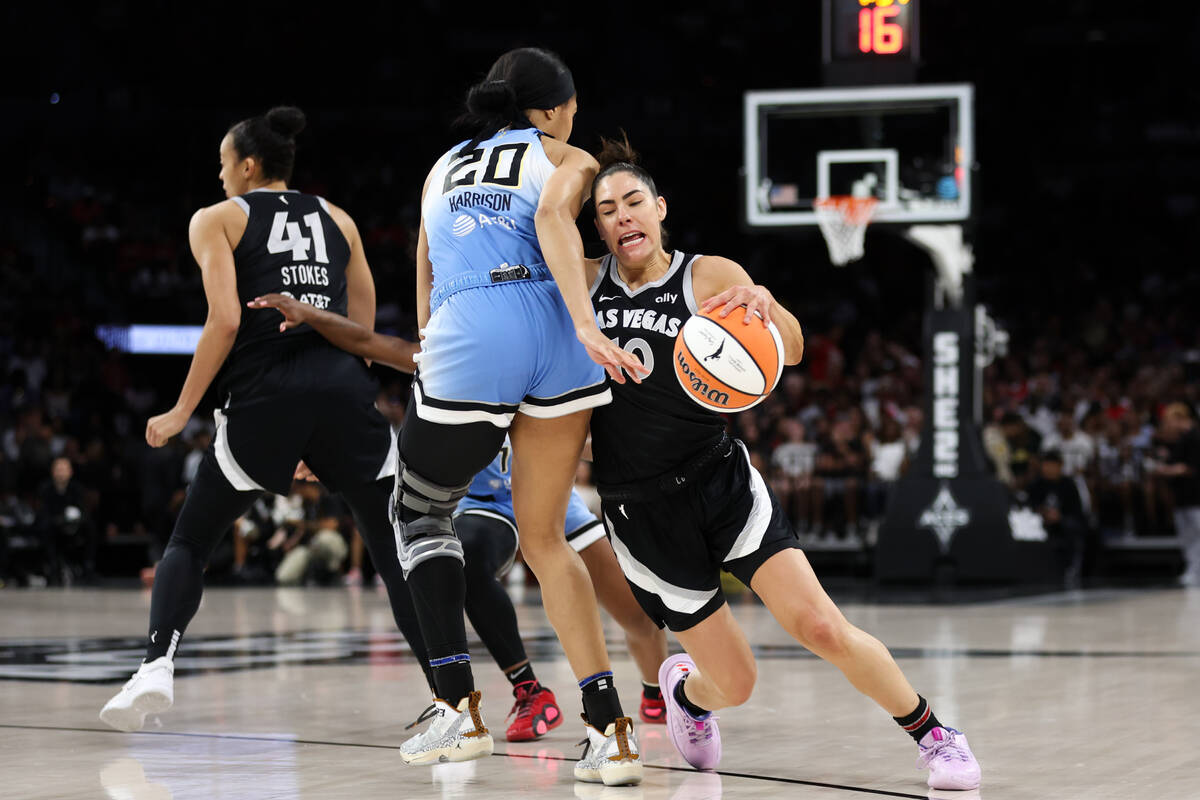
x,y
699,387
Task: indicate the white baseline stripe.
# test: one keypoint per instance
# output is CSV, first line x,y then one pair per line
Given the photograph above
x,y
676,598
232,471
760,515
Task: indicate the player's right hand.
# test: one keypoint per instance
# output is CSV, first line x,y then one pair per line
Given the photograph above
x,y
294,312
605,352
161,428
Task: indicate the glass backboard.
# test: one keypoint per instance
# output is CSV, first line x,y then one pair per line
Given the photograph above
x,y
911,147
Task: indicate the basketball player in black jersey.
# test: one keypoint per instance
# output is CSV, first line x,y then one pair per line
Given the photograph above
x,y
284,397
682,501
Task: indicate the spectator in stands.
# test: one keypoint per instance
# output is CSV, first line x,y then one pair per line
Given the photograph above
x,y
842,468
309,536
889,460
1055,497
1024,443
1180,466
65,524
792,465
1116,475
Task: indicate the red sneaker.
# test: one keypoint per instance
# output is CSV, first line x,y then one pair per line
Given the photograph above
x,y
536,710
654,711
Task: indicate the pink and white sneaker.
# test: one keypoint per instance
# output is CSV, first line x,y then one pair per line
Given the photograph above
x,y
948,757
697,740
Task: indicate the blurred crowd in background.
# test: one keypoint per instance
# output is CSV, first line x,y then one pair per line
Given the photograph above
x,y
1081,396
1086,218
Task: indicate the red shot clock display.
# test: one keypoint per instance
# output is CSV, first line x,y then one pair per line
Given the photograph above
x,y
871,30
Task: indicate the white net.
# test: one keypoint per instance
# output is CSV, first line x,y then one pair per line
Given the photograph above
x,y
843,220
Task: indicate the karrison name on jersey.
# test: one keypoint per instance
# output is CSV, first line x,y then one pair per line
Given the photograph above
x,y
307,274
645,318
496,201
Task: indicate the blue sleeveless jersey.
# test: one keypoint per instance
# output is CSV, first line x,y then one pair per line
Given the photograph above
x,y
491,490
478,212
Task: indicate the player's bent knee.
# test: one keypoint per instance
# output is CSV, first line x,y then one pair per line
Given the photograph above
x,y
823,635
737,687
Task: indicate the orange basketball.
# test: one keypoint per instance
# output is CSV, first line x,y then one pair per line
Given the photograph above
x,y
724,364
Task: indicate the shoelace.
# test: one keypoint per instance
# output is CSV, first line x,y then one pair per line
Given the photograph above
x,y
946,750
523,707
699,730
431,711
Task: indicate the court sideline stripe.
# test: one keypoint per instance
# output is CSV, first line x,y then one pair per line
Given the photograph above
x,y
238,737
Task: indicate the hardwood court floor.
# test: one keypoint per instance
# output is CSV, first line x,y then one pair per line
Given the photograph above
x,y
304,694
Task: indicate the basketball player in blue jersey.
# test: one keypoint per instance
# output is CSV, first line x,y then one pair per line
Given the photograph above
x,y
681,500
486,526
284,398
510,346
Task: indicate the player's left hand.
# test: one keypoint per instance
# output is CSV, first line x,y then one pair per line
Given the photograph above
x,y
294,312
754,298
161,428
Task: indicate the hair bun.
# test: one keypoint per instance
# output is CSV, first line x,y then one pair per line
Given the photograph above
x,y
492,97
287,121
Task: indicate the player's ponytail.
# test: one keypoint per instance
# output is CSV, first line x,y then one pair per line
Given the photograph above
x,y
270,139
525,78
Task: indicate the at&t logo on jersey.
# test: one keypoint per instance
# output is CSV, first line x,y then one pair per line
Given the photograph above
x,y
463,225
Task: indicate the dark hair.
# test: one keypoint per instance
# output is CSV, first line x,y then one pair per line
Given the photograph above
x,y
271,139
528,77
619,156
1052,456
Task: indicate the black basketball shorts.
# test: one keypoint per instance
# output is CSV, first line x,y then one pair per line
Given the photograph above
x,y
672,549
314,404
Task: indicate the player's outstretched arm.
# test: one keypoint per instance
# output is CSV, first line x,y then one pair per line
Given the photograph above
x,y
562,198
211,248
341,332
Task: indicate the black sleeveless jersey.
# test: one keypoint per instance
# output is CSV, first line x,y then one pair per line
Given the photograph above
x,y
653,427
291,246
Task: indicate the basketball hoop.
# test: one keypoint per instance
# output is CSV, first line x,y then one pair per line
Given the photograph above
x,y
843,220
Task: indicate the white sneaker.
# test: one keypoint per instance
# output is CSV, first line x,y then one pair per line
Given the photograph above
x,y
151,690
611,757
455,734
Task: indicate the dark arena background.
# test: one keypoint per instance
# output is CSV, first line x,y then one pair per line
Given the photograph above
x,y
1017,530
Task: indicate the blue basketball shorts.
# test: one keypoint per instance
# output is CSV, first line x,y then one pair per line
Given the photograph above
x,y
490,352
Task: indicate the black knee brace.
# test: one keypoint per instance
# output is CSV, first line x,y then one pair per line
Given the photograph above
x,y
431,534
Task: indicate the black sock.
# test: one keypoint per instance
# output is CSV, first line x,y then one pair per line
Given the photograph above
x,y
438,588
651,691
600,702
920,722
691,708
522,674
178,584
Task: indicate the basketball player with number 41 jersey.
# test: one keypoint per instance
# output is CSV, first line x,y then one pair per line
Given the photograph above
x,y
285,396
682,501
